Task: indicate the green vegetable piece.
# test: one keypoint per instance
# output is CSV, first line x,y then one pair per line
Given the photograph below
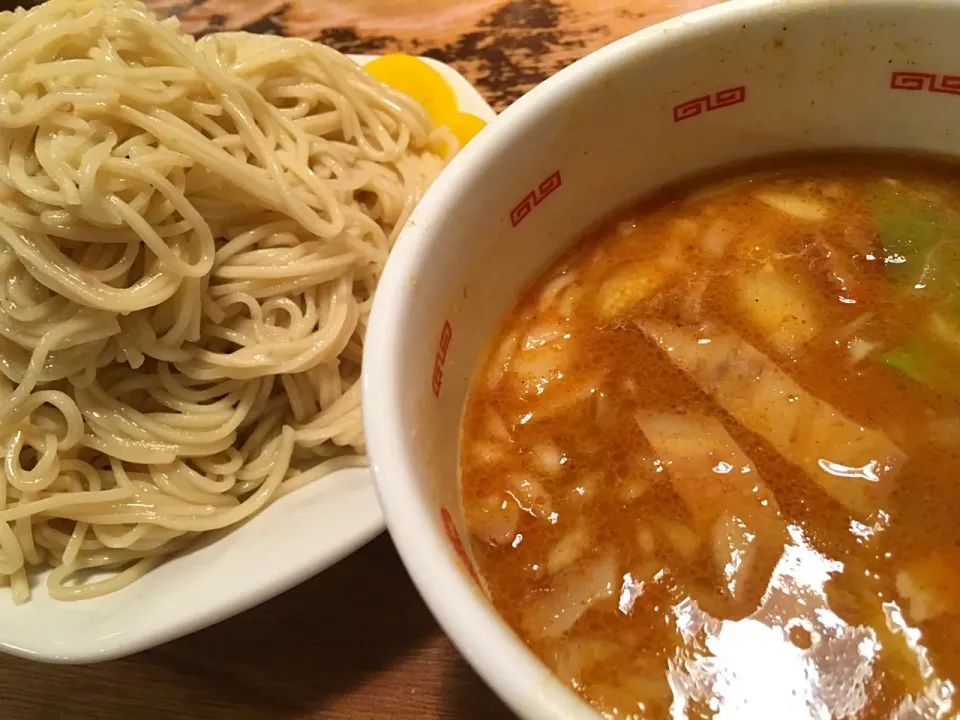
x,y
917,361
921,240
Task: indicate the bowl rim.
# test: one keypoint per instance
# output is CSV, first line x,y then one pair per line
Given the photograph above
x,y
501,658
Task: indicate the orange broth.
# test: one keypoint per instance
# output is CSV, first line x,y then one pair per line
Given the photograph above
x,y
709,461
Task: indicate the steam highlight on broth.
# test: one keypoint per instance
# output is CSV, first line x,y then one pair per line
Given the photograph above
x,y
191,233
707,463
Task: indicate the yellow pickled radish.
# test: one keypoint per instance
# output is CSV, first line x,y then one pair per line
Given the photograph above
x,y
464,126
415,78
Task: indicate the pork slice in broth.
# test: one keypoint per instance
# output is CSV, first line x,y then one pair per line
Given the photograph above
x,y
551,614
730,505
855,465
930,585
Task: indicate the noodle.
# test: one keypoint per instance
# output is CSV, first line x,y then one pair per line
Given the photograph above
x,y
191,232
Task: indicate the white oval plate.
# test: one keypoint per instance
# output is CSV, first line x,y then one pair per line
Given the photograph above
x,y
295,538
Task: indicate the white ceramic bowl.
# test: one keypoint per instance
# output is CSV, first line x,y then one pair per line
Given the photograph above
x,y
735,81
292,540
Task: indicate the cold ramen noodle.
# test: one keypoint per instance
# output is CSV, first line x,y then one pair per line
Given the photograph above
x,y
709,462
191,233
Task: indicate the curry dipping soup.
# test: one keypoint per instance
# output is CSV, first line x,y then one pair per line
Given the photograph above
x,y
708,462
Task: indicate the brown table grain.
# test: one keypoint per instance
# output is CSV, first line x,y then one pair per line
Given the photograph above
x,y
355,642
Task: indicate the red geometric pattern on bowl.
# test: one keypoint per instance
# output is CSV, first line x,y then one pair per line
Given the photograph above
x,y
454,536
708,103
533,198
931,82
446,335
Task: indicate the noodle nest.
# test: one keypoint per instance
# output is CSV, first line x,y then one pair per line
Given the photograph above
x,y
191,232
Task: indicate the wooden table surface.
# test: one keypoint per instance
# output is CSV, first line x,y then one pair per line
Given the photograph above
x,y
355,642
